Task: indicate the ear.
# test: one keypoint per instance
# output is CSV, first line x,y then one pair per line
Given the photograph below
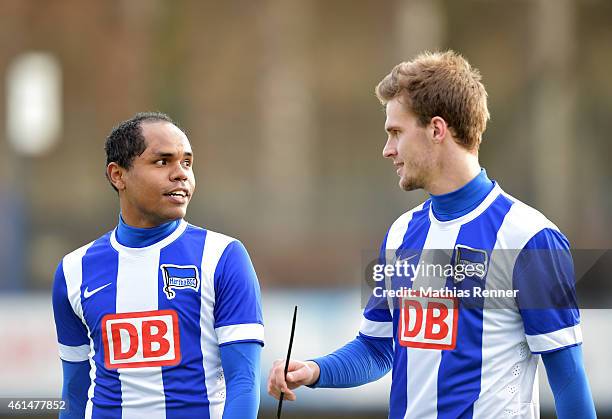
x,y
439,129
115,175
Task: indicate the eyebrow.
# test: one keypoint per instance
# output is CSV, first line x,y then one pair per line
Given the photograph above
x,y
170,154
391,128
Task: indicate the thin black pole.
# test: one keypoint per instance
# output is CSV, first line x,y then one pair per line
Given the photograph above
x,y
282,395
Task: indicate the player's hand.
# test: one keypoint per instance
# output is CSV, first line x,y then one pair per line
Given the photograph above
x,y
299,374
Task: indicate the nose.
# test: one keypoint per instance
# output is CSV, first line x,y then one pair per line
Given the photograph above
x,y
390,148
180,173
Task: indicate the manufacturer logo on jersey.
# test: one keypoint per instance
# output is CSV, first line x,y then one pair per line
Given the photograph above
x,y
179,277
87,293
142,339
470,262
406,259
428,322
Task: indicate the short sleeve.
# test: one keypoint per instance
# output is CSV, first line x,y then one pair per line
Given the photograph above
x,y
71,332
377,321
238,315
546,297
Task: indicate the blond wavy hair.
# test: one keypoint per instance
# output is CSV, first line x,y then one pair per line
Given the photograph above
x,y
440,84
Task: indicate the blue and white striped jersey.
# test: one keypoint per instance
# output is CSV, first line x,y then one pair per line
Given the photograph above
x,y
150,321
466,354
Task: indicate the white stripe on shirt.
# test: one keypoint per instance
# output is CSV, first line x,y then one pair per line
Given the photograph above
x,y
73,273
422,365
142,389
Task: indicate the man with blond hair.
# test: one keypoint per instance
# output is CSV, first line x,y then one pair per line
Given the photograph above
x,y
462,341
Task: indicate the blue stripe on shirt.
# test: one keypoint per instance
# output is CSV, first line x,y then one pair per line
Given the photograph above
x,y
185,388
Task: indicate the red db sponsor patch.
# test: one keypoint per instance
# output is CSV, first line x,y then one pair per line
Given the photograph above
x,y
141,339
428,322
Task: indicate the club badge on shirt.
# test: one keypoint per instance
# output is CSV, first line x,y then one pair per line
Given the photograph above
x,y
470,262
179,277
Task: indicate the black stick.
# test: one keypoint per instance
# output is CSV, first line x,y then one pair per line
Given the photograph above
x,y
282,395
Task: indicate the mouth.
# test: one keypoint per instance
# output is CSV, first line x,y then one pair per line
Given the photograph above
x,y
178,196
398,167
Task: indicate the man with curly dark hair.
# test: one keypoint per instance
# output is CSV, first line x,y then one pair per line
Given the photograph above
x,y
157,318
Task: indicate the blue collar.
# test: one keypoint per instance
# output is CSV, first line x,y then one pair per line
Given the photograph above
x,y
141,237
454,204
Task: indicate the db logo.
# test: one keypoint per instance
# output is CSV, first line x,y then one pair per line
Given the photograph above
x,y
428,322
143,339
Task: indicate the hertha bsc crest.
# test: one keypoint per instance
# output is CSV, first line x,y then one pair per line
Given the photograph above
x,y
470,262
179,277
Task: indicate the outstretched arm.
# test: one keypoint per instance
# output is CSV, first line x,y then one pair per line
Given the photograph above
x,y
361,361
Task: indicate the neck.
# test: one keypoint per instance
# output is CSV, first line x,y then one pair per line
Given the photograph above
x,y
462,200
134,218
131,236
455,173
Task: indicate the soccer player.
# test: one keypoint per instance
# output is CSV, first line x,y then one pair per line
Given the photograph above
x,y
459,356
157,318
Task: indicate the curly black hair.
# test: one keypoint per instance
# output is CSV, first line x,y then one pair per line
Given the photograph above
x,y
126,141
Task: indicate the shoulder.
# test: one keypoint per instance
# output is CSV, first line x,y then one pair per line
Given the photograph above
x,y
401,223
394,237
78,253
523,222
219,248
213,240
226,260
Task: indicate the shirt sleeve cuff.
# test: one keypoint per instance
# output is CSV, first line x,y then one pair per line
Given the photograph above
x,y
555,340
240,332
74,353
376,329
